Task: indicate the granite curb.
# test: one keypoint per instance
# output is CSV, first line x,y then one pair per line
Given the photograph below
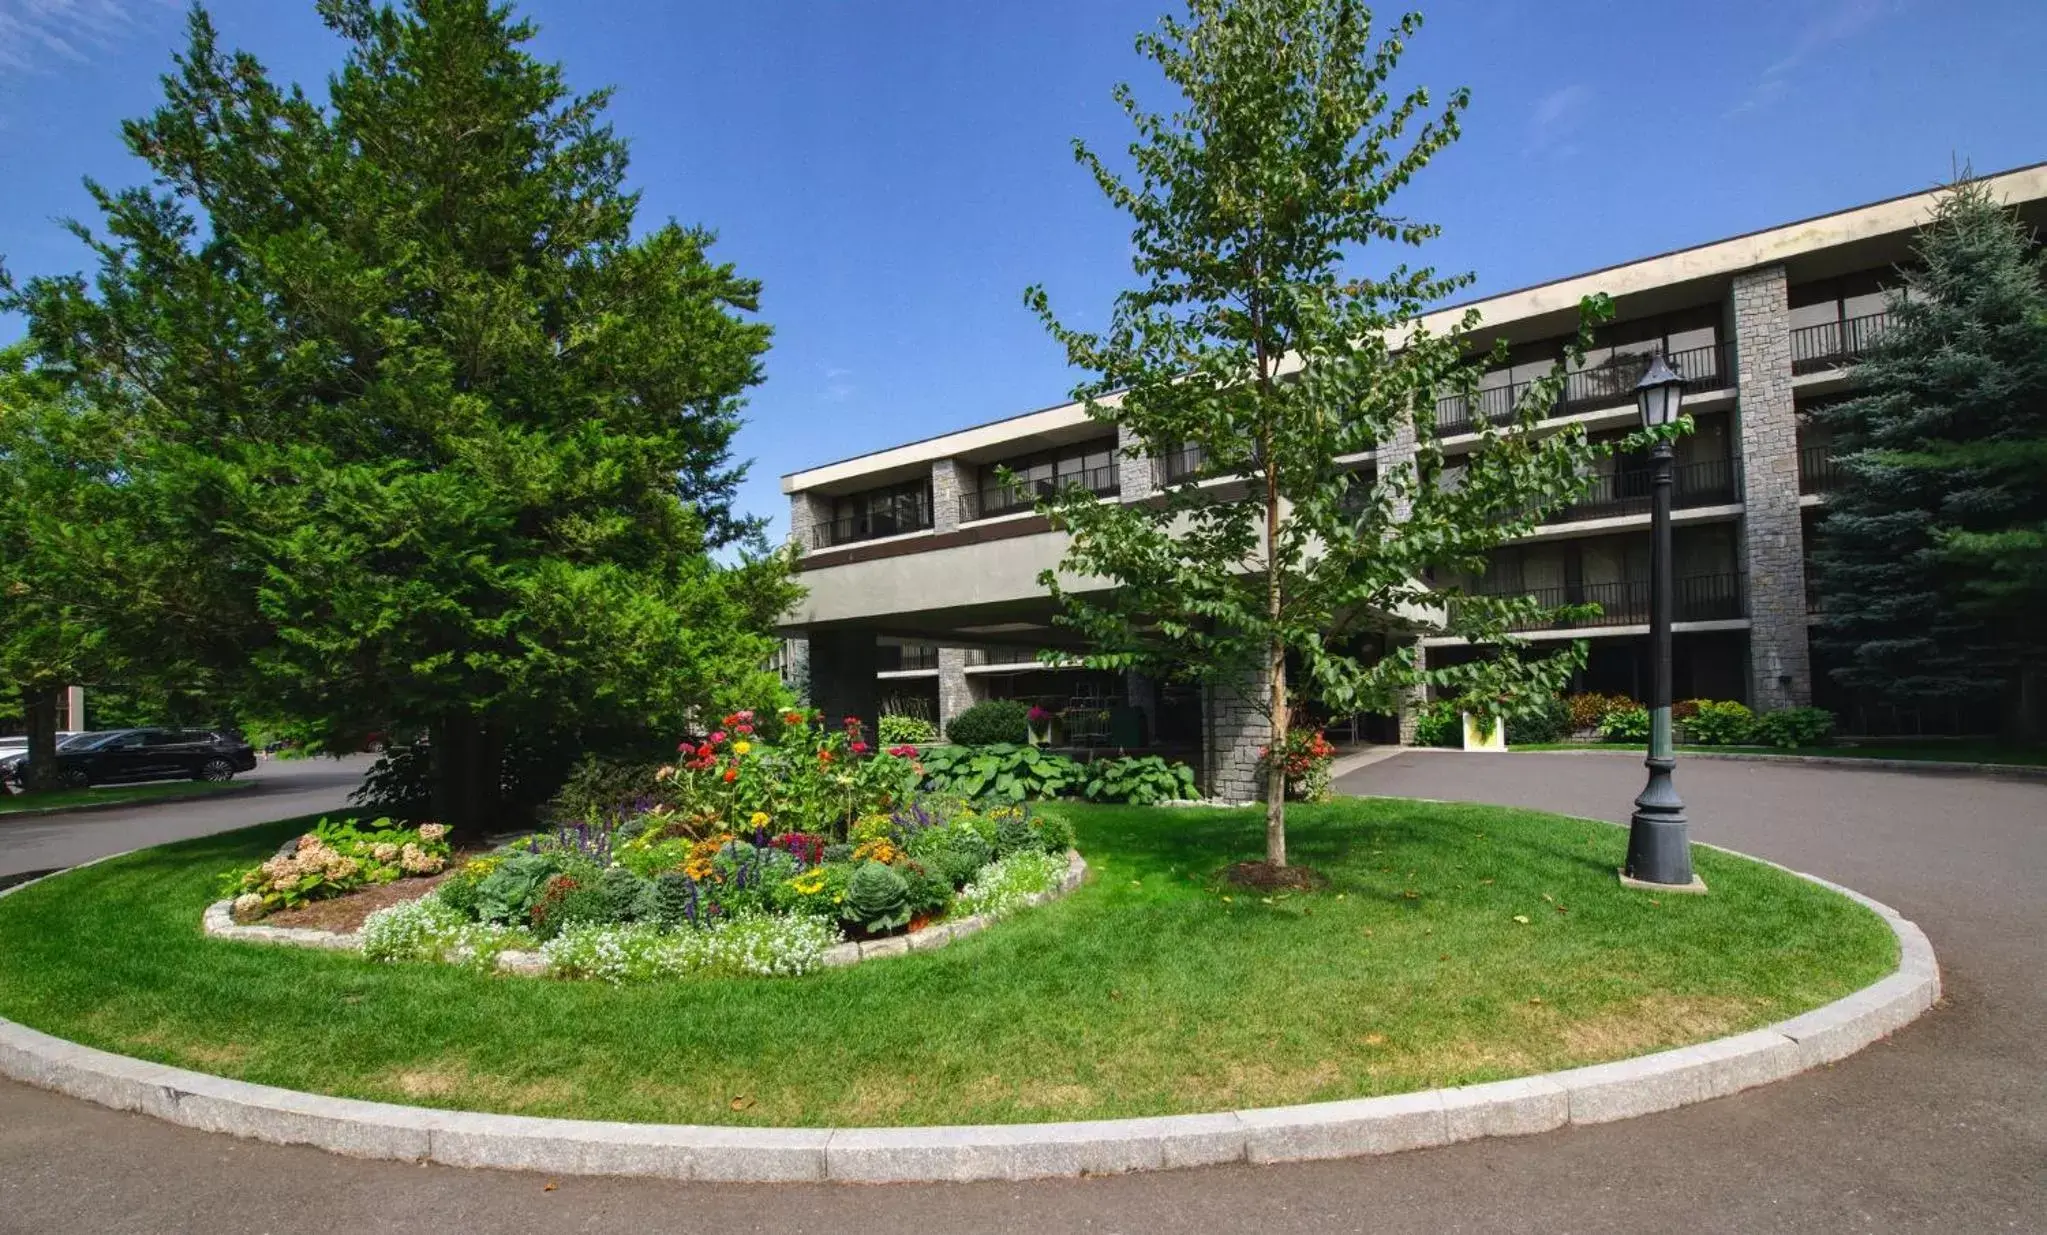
x,y
1597,1094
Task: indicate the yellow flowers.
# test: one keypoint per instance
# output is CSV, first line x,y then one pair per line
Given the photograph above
x,y
741,747
810,882
881,850
760,819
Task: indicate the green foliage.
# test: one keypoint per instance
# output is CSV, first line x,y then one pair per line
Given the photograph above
x,y
504,403
507,894
567,900
1003,773
927,889
1792,727
895,730
628,897
1138,780
1014,834
877,899
1720,724
1055,833
1257,344
1587,710
990,723
1439,724
678,902
1545,718
1625,724
1932,556
598,786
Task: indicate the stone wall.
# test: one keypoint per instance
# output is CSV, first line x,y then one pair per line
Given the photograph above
x,y
1234,730
955,692
1134,476
948,477
1780,666
806,511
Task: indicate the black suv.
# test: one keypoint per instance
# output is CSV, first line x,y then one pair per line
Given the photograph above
x,y
143,754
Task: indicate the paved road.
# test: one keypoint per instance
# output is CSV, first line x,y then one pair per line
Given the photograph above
x,y
1942,1128
284,787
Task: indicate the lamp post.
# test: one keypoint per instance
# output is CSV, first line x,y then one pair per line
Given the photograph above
x,y
1659,851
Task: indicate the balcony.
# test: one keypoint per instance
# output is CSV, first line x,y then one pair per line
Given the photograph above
x,y
1700,598
1605,385
991,500
904,657
894,518
1831,345
1817,470
1178,465
1707,482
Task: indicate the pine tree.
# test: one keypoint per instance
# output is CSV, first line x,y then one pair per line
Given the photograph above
x,y
444,442
1930,560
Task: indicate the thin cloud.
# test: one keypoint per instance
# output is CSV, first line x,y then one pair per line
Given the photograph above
x,y
1836,23
1556,117
838,384
37,36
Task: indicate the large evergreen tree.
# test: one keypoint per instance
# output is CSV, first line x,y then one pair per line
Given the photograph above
x,y
446,442
1259,339
1930,556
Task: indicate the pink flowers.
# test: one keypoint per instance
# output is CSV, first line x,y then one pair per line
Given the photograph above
x,y
717,737
858,748
905,751
1037,715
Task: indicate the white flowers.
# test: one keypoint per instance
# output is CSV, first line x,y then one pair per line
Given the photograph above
x,y
1002,887
757,944
427,930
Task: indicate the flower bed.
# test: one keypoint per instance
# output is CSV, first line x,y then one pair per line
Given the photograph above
x,y
335,859
759,853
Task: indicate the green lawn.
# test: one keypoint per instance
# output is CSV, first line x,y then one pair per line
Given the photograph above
x,y
111,795
1151,990
1933,752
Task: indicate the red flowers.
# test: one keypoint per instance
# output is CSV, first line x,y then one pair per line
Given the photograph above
x,y
824,756
858,748
731,774
792,717
905,751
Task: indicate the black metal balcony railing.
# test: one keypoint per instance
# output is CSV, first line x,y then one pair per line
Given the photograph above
x,y
1608,384
895,519
1179,464
1830,345
1700,598
895,657
1816,467
992,500
1706,482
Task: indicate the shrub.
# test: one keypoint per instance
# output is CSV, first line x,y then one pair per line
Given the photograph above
x,y
1439,725
897,730
1004,772
628,897
1546,719
603,788
1588,710
334,859
508,892
929,891
1685,709
679,901
1625,724
1308,756
1055,834
566,899
990,723
1014,834
1794,727
1139,780
1002,887
1720,724
877,898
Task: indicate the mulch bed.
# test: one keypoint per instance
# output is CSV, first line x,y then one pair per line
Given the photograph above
x,y
1265,877
345,914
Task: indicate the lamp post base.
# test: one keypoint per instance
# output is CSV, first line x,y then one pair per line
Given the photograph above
x,y
1697,885
1659,845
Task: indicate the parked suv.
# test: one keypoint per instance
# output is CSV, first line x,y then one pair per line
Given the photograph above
x,y
143,754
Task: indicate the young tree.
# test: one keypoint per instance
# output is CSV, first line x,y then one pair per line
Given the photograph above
x,y
1930,558
446,442
1256,341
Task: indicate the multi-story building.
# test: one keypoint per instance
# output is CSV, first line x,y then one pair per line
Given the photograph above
x,y
923,570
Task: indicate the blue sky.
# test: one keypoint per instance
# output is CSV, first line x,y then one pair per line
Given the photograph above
x,y
897,171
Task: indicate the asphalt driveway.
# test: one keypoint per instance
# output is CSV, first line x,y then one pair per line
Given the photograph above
x,y
1943,1127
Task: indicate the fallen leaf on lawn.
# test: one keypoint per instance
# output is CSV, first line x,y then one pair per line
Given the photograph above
x,y
1485,881
1522,918
1411,894
1226,900
1375,1039
550,1186
1654,901
1561,909
741,1102
1444,957
1535,999
1546,896
1115,994
1265,900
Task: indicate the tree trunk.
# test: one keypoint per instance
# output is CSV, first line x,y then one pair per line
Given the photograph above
x,y
39,706
1275,764
468,775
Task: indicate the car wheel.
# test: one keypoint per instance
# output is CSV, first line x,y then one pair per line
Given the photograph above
x,y
75,778
216,770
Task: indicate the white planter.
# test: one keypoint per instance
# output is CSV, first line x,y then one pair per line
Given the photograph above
x,y
1476,738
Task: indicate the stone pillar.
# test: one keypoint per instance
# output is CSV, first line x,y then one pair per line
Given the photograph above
x,y
1233,731
1773,548
1411,705
796,668
1143,694
949,478
1135,479
1395,455
955,693
807,510
842,668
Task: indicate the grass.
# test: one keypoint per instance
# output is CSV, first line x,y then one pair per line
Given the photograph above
x,y
1937,752
111,795
1151,990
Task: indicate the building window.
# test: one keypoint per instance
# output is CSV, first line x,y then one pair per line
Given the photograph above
x,y
1090,465
887,511
1689,339
1835,321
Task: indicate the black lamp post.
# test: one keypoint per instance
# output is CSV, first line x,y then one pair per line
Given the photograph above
x,y
1659,851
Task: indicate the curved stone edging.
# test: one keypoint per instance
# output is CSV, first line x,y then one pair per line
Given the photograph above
x,y
1599,1093
218,922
